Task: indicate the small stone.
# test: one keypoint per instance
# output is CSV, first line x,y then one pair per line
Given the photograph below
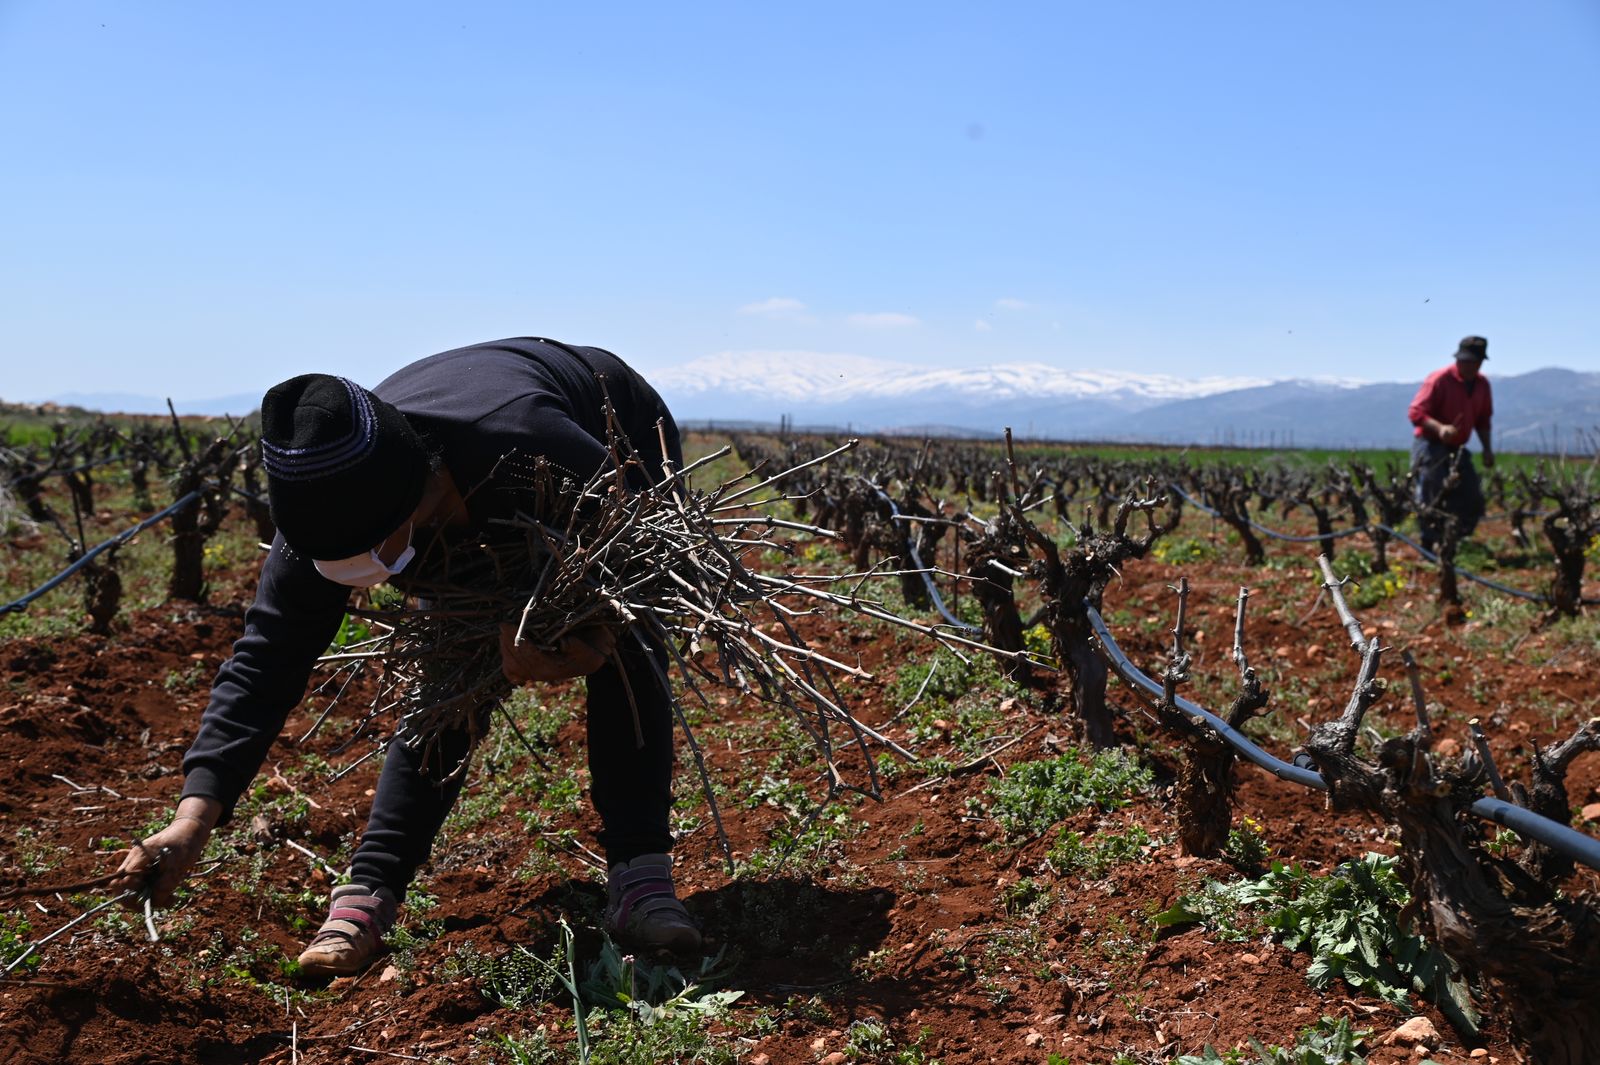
x,y
1033,1038
389,973
836,1058
1479,1053
1591,812
759,1059
1250,959
1447,748
1416,1030
818,1043
1421,1050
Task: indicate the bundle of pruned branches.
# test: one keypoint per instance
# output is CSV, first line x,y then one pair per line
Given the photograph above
x,y
660,562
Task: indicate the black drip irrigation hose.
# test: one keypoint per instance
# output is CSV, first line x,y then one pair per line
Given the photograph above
x,y
1273,533
116,541
1574,844
927,575
1429,556
1475,578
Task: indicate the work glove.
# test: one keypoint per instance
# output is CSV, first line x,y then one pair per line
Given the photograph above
x,y
162,861
579,654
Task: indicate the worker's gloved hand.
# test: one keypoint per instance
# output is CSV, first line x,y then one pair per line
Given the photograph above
x,y
172,852
582,651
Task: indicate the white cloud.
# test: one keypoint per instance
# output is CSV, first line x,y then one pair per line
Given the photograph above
x,y
1006,303
884,320
776,307
982,326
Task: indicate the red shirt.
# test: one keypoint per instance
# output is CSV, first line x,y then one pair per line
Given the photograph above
x,y
1443,397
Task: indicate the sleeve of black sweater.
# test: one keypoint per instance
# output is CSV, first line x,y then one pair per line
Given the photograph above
x,y
294,617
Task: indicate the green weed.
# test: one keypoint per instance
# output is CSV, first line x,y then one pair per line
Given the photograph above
x,y
655,992
351,630
624,1012
1071,854
1025,898
1346,922
1183,550
614,1039
14,939
1332,1041
1035,795
1246,846
511,980
34,855
868,1040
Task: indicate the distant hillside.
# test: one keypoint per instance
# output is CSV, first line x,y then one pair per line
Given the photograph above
x,y
1541,410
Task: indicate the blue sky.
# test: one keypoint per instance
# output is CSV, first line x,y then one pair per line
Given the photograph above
x,y
201,199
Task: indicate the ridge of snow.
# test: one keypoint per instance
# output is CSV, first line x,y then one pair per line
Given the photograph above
x,y
826,378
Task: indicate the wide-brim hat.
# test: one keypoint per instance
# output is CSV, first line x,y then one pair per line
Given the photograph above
x,y
344,468
1475,348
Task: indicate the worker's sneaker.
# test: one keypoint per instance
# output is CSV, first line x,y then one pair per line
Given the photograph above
x,y
645,911
352,936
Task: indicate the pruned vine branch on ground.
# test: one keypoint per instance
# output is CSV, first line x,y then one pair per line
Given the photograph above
x,y
664,564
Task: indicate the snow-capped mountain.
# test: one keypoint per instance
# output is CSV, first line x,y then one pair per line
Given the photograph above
x,y
813,379
867,394
1541,409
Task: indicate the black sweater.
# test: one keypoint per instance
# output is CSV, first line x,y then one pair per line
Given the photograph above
x,y
474,405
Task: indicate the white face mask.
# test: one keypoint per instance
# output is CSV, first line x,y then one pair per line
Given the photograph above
x,y
365,571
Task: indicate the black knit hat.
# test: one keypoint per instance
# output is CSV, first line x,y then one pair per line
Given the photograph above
x,y
344,468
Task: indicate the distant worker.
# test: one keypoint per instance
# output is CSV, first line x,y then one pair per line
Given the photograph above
x,y
1450,405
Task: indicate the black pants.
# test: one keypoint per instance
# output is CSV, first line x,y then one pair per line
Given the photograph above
x,y
1431,462
631,784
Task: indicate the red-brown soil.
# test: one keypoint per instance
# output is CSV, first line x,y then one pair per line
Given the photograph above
x,y
905,924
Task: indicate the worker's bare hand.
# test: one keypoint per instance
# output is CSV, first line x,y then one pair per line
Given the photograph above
x,y
581,652
1488,460
1448,434
173,851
